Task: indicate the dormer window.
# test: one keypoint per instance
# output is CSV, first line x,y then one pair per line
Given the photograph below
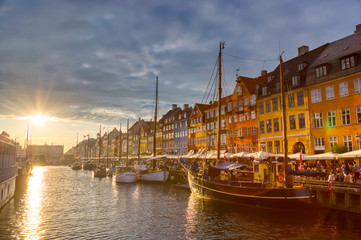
x,y
301,66
270,78
348,62
264,91
321,71
239,90
295,81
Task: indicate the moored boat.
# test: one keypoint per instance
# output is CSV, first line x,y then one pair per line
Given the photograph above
x,y
76,166
100,172
8,168
124,175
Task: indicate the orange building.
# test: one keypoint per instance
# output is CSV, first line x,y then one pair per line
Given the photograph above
x,y
241,116
196,130
334,90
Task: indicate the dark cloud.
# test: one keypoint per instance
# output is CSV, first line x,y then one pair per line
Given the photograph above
x,y
96,60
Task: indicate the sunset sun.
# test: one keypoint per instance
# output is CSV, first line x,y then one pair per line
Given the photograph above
x,y
39,119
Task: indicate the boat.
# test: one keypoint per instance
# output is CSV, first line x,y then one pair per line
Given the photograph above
x,y
8,168
125,174
76,166
155,174
100,172
89,166
111,171
267,182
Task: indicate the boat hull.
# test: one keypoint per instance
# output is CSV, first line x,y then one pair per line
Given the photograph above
x,y
250,193
7,190
155,177
125,177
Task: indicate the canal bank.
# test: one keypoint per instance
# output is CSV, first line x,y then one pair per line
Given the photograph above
x,y
65,204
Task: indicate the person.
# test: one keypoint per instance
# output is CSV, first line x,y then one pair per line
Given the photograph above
x,y
340,176
356,167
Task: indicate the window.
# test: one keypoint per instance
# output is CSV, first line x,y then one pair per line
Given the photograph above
x,y
234,104
241,117
331,119
241,148
343,89
223,139
277,147
301,121
319,143
229,106
262,146
357,85
348,62
269,125
347,142
246,102
321,71
275,104
291,100
246,116
248,131
253,114
300,101
276,127
330,93
253,100
240,104
264,91
230,119
239,90
248,148
223,110
269,78
268,106
241,132
316,96
345,116
295,81
261,127
269,147
254,130
317,120
301,66
235,118
358,115
333,141
292,122
230,133
261,108
223,123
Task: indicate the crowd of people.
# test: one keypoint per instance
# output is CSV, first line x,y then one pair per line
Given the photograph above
x,y
339,171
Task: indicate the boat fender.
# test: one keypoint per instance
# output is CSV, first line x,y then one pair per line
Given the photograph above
x,y
280,177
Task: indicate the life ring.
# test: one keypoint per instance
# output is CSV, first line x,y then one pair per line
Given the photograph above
x,y
280,177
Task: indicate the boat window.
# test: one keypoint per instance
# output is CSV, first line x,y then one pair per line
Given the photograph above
x,y
280,168
256,168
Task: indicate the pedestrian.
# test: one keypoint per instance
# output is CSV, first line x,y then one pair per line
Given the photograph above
x,y
356,168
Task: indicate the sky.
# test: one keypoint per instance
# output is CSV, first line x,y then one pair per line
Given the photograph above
x,y
82,63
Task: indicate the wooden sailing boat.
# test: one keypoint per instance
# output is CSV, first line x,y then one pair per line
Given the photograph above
x,y
155,175
266,185
124,174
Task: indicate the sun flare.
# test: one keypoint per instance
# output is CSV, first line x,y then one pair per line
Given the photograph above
x,y
39,119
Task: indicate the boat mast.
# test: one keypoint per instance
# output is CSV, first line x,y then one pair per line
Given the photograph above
x,y
221,46
155,123
126,159
120,141
100,138
139,132
285,144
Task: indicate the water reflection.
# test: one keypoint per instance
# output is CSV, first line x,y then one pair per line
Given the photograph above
x,y
33,205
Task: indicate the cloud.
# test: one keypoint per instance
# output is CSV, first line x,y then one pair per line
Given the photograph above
x,y
97,60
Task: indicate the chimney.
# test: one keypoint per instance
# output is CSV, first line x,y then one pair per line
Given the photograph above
x,y
302,50
263,72
185,106
358,29
174,106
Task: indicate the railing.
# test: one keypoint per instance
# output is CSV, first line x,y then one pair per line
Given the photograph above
x,y
6,173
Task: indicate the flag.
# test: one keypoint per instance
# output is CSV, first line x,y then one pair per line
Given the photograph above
x,y
301,155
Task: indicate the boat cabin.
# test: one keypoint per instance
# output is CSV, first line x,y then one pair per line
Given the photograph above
x,y
270,170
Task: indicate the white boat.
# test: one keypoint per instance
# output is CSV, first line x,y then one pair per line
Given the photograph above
x,y
124,175
156,177
8,168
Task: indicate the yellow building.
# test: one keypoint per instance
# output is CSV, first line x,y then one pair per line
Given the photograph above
x,y
334,94
269,115
196,130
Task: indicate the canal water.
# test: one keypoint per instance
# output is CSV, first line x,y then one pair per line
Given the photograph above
x,y
60,203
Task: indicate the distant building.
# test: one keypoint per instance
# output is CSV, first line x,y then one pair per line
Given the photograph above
x,y
46,153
